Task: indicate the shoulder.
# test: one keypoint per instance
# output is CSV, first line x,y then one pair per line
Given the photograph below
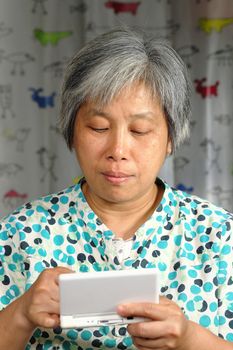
x,y
197,214
41,211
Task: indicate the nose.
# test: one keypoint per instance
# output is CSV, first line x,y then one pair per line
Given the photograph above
x,y
118,146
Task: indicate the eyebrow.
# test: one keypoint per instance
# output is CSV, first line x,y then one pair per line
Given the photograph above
x,y
143,115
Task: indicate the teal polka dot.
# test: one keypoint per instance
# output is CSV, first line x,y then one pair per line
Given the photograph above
x,y
159,218
70,249
84,268
150,231
222,264
216,224
200,229
195,289
86,236
72,228
39,267
191,256
3,236
5,300
20,226
143,253
226,250
187,226
58,240
91,216
229,337
36,227
188,247
215,248
229,296
127,341
42,252
204,238
177,240
22,236
110,343
86,335
162,244
207,212
55,207
30,212
174,284
162,266
72,334
88,249
183,297
172,275
205,321
207,287
190,306
213,306
192,273
70,260
64,199
45,234
91,225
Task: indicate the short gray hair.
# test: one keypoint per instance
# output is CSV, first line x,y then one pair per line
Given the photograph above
x,y
118,59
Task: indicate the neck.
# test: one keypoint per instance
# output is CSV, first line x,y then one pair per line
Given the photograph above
x,y
124,218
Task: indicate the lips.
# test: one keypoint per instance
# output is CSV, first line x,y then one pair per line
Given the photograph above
x,y
116,177
116,174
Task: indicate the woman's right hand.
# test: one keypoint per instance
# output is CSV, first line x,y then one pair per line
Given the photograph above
x,y
39,306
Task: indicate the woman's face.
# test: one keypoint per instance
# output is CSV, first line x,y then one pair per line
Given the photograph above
x,y
122,146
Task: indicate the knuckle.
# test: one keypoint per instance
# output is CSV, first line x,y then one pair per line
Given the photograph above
x,y
140,329
148,310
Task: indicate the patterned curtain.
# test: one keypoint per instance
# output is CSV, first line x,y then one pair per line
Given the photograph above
x,y
36,39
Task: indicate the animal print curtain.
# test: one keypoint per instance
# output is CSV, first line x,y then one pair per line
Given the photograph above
x,y
36,39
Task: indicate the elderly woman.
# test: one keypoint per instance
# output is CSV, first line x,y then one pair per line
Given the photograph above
x,y
124,108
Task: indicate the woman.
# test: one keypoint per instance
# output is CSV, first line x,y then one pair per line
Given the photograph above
x,y
124,108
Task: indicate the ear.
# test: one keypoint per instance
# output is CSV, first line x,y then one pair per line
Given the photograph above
x,y
169,148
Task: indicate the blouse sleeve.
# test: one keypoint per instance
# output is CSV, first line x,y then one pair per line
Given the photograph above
x,y
12,279
224,320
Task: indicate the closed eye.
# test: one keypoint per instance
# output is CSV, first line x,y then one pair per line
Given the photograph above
x,y
99,129
140,133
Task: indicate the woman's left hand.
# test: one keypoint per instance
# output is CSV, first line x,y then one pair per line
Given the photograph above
x,y
167,328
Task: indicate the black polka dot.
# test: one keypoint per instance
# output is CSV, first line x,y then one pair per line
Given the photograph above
x,y
81,257
97,343
198,282
27,229
22,218
54,200
24,245
91,259
121,346
97,334
6,280
229,314
181,288
8,250
122,331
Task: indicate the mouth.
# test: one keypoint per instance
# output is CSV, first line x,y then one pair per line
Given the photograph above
x,y
116,177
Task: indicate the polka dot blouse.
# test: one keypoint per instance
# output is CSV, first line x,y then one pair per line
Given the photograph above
x,y
188,240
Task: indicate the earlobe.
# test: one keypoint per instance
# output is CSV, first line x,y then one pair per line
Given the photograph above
x,y
169,148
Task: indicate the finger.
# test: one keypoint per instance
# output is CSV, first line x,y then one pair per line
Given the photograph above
x,y
143,343
147,310
46,320
147,330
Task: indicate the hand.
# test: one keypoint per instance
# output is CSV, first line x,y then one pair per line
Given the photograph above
x,y
40,304
167,328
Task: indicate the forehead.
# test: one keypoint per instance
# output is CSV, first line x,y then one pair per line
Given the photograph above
x,y
131,96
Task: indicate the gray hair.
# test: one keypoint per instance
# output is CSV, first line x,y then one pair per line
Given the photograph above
x,y
118,59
